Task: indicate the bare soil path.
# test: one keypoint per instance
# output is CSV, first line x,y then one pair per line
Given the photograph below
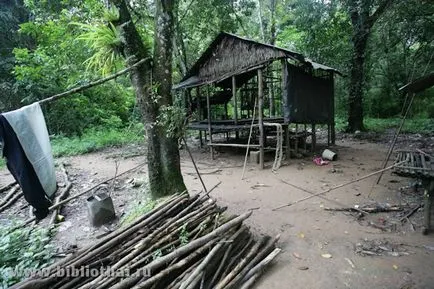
x,y
319,246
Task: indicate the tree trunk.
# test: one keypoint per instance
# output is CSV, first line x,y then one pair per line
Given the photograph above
x,y
362,21
163,45
355,112
162,153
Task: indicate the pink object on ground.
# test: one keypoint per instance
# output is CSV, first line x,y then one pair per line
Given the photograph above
x,y
320,162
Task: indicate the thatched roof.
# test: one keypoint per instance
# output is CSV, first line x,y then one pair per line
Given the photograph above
x,y
230,55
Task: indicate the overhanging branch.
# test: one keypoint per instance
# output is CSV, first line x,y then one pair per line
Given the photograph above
x,y
92,84
380,11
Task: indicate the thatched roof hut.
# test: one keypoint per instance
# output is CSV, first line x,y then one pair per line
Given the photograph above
x,y
287,87
230,55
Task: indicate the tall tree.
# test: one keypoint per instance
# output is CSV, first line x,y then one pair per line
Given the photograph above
x,y
12,14
152,84
363,16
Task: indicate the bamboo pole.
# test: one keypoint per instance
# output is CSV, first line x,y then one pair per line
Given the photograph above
x,y
201,266
194,164
248,141
62,195
11,193
337,187
395,138
8,186
235,145
322,197
260,267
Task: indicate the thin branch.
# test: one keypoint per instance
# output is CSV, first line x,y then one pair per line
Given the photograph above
x,y
92,84
380,11
338,186
194,164
78,195
114,179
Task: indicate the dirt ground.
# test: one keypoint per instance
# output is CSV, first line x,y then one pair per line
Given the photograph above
x,y
321,248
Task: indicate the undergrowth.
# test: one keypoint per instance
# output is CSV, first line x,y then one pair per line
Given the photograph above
x,y
22,251
142,205
415,125
96,139
139,209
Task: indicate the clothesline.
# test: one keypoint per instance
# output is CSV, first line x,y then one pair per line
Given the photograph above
x,y
27,148
94,83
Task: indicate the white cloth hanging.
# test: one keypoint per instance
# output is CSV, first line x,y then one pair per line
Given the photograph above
x,y
29,125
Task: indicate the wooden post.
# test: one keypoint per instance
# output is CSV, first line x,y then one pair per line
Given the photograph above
x,y
332,124
234,96
313,137
208,107
226,110
271,88
226,117
296,139
287,143
260,120
199,114
428,199
284,93
270,91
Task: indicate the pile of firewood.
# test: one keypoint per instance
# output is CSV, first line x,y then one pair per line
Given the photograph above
x,y
187,242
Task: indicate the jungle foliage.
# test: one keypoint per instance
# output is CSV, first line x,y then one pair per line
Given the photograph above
x,y
51,46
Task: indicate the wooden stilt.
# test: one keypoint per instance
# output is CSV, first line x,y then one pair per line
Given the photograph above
x,y
226,111
428,196
199,115
287,145
272,106
260,118
200,139
234,96
226,117
296,139
208,107
332,116
284,89
313,137
333,133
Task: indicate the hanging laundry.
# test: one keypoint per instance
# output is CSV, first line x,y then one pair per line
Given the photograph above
x,y
27,149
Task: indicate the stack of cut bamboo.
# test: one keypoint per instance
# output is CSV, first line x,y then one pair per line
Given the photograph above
x,y
184,243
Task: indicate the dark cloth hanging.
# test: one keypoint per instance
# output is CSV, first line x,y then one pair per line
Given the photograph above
x,y
310,98
22,170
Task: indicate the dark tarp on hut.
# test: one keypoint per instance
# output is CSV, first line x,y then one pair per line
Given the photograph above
x,y
310,98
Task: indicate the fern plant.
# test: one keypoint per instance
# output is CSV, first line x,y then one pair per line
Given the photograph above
x,y
106,41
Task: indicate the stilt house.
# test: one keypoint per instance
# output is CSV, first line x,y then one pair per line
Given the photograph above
x,y
240,87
